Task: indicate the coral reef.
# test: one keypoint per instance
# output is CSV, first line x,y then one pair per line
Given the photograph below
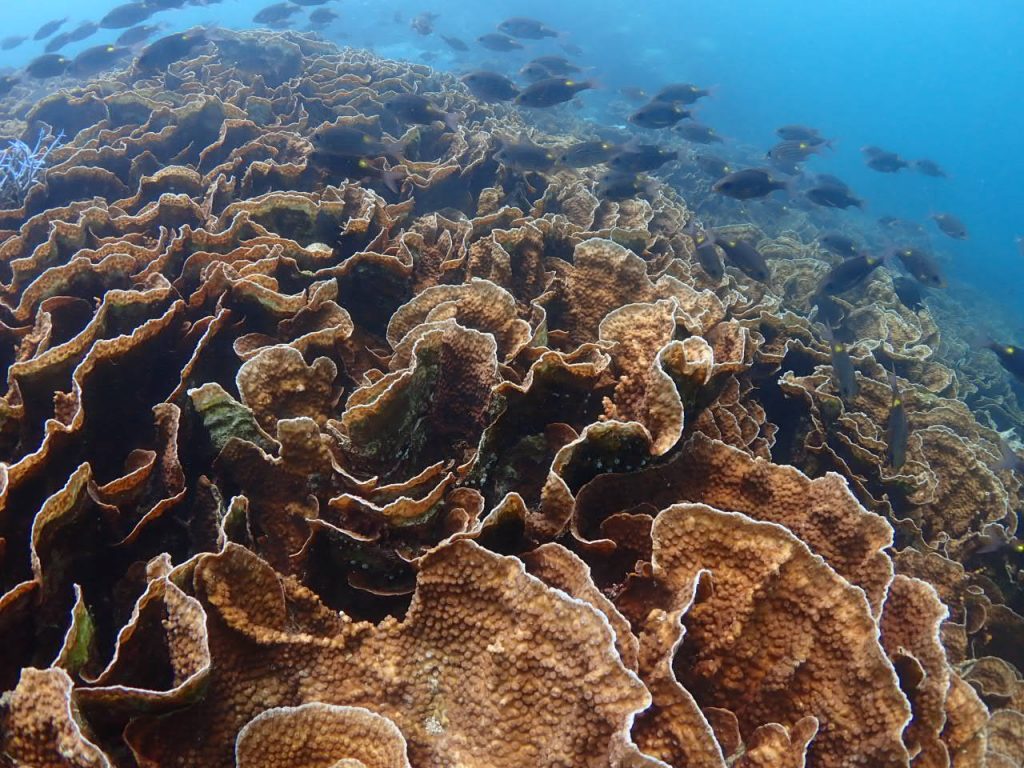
x,y
436,462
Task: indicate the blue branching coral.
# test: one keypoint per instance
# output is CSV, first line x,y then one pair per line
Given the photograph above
x,y
21,166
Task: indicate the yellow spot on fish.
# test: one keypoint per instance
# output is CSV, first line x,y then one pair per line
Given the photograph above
x,y
838,348
1009,350
896,402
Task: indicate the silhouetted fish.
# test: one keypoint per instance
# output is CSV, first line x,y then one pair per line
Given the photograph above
x,y
929,168
1010,357
950,225
49,28
455,43
922,266
588,153
747,184
127,15
524,155
636,158
848,274
497,42
908,291
48,65
883,161
10,43
698,133
844,374
681,93
490,86
707,254
745,257
658,114
137,34
551,91
413,108
897,430
530,29
840,244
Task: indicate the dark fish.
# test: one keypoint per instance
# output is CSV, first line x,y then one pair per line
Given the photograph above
x,y
530,29
310,3
588,153
636,158
681,93
455,43
1010,461
658,114
163,51
922,266
323,17
1010,357
10,43
558,66
833,197
793,151
275,13
47,65
127,15
496,42
844,375
617,186
7,84
897,429
423,24
828,309
895,223
97,58
698,133
137,34
57,42
413,108
490,86
524,155
551,91
350,141
84,30
365,169
950,225
930,168
840,244
534,72
883,161
800,133
746,258
713,166
848,274
908,291
634,94
747,184
49,28
706,253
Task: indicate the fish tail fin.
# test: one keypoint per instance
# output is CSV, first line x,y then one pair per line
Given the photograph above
x,y
451,120
392,180
396,150
1009,459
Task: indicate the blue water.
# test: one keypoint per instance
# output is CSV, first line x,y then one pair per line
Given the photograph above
x,y
940,80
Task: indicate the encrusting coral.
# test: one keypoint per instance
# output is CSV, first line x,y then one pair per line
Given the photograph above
x,y
437,462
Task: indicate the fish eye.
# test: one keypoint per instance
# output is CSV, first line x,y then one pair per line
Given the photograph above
x,y
363,164
837,348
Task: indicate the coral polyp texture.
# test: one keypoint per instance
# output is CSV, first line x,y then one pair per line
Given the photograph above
x,y
422,460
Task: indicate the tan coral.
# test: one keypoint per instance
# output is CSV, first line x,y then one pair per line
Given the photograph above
x,y
779,618
320,736
39,727
458,676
